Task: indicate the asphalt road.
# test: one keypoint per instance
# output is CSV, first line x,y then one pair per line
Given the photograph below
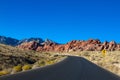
x,y
72,68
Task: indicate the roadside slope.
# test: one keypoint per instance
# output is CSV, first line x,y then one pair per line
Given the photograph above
x,y
72,68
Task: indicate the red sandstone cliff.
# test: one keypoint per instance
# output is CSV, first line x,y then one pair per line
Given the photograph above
x,y
75,45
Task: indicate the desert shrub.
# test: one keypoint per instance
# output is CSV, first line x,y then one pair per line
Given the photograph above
x,y
86,54
41,63
49,62
3,72
17,68
26,67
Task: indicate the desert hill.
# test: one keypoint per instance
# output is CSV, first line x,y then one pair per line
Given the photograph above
x,y
13,56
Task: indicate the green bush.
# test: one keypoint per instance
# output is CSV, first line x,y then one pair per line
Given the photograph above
x,y
17,68
26,67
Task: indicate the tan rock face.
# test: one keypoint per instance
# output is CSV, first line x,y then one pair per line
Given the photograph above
x,y
75,45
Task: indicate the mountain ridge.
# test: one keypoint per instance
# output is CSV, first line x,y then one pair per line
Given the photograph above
x,y
15,42
38,44
72,46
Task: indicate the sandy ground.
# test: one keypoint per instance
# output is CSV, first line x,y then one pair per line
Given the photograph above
x,y
72,68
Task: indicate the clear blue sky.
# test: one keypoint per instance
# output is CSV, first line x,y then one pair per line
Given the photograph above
x,y
61,20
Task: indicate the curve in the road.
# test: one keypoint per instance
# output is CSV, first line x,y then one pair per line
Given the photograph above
x,y
72,68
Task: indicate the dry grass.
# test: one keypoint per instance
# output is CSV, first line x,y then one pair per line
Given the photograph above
x,y
13,60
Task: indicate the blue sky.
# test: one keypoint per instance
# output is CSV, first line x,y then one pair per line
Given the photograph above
x,y
61,20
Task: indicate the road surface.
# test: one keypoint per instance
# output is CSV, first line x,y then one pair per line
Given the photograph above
x,y
72,68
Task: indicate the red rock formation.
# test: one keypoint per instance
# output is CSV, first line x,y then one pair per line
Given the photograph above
x,y
112,46
29,45
75,45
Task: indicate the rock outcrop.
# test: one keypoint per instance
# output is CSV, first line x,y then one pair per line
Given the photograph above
x,y
39,40
75,45
33,45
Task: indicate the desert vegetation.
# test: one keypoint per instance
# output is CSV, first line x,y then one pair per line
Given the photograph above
x,y
14,60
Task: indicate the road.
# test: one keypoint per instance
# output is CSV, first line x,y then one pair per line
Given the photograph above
x,y
71,68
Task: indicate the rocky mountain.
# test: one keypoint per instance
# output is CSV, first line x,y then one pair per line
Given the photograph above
x,y
8,41
75,45
39,40
15,42
41,45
